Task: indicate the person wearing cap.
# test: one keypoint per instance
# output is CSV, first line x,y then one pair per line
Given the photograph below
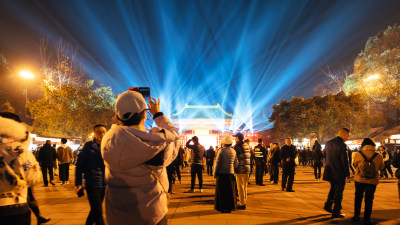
x,y
260,156
336,171
135,162
224,169
243,170
366,185
197,155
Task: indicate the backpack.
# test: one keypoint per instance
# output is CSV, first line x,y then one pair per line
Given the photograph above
x,y
367,168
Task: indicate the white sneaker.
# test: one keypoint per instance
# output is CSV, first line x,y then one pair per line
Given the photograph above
x,y
67,182
272,182
191,191
201,190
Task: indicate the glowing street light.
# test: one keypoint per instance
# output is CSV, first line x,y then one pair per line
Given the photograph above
x,y
373,77
26,75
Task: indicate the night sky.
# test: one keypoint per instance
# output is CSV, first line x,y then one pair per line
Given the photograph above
x,y
244,55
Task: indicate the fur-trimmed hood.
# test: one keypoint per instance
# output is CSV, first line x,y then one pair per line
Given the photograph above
x,y
17,163
12,129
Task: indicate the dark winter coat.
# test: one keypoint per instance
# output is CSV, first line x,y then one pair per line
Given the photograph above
x,y
47,156
243,153
317,156
197,153
275,156
337,162
288,152
91,164
210,155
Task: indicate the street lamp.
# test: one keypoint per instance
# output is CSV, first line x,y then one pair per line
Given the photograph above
x,y
368,79
26,75
372,77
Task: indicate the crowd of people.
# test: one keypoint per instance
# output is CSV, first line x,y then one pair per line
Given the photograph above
x,y
134,169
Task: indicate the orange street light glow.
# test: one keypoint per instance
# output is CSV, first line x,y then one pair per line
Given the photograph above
x,y
26,74
373,77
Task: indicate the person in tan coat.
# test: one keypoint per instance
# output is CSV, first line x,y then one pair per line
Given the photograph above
x,y
366,178
64,156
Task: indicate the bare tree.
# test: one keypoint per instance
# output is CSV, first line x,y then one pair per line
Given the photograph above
x,y
334,82
59,64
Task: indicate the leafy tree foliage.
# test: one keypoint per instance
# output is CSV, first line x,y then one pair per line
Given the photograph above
x,y
71,104
381,56
321,116
72,110
7,107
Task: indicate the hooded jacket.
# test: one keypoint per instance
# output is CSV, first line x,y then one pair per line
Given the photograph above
x,y
368,151
64,154
18,166
134,196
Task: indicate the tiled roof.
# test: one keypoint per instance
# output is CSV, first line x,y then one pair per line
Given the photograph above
x,y
202,112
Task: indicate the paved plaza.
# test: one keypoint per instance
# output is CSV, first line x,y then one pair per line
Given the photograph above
x,y
266,205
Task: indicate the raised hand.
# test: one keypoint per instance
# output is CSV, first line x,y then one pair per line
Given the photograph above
x,y
154,106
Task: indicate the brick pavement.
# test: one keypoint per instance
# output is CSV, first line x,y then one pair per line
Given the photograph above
x,y
266,205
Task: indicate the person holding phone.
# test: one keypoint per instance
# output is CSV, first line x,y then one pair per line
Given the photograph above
x,y
136,161
91,164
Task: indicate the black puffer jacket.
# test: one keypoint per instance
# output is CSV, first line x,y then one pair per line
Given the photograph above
x,y
91,164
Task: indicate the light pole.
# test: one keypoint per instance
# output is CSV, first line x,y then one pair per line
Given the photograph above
x,y
26,75
366,80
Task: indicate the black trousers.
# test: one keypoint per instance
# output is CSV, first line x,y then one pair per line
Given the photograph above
x,y
287,177
260,166
369,190
178,172
196,169
209,168
95,196
274,173
335,196
44,173
384,171
64,172
317,170
20,219
170,174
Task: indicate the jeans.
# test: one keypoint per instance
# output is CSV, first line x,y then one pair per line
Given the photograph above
x,y
95,196
369,190
64,172
242,181
44,173
196,169
335,196
287,176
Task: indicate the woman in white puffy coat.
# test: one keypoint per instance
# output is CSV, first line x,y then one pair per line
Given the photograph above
x,y
224,168
136,161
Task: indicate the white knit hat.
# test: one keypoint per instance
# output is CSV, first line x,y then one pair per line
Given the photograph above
x,y
227,140
129,103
